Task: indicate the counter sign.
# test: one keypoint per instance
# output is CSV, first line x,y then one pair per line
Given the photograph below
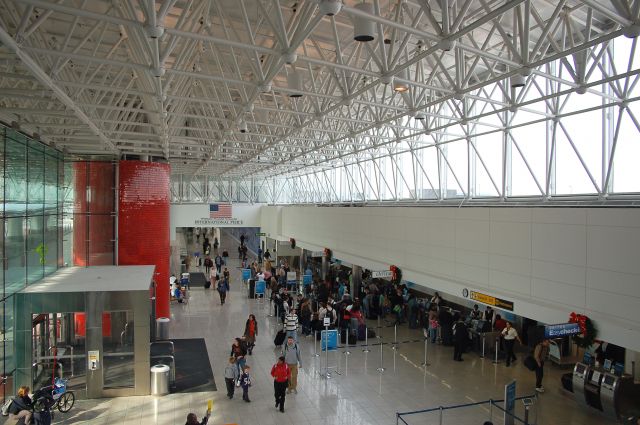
x,y
489,300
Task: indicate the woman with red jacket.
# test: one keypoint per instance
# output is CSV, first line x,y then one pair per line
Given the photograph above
x,y
281,373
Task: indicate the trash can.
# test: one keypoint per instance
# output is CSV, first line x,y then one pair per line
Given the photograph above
x,y
162,328
160,379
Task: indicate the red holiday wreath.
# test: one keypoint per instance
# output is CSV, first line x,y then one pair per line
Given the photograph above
x,y
327,253
588,331
396,274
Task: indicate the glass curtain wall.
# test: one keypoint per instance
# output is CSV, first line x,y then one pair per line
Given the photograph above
x,y
32,187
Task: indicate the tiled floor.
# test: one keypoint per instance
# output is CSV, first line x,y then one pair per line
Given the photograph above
x,y
359,394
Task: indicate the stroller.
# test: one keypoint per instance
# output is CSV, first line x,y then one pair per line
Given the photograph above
x,y
43,403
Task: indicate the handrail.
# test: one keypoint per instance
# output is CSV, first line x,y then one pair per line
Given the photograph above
x,y
457,406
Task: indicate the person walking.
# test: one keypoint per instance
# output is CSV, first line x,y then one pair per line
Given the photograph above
x,y
461,337
540,354
280,373
208,263
245,383
251,332
223,288
509,334
291,324
231,376
218,262
239,352
292,358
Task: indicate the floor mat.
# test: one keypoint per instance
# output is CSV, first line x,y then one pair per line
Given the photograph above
x,y
193,369
197,279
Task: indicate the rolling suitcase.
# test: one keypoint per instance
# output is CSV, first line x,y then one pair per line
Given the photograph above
x,y
279,339
207,284
362,332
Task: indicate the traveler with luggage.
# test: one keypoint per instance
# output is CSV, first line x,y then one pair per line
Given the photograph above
x,y
291,324
292,358
510,335
218,262
223,288
540,354
208,263
250,333
280,373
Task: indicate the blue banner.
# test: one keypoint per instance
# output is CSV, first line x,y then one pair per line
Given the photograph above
x,y
560,330
306,279
246,274
329,340
260,287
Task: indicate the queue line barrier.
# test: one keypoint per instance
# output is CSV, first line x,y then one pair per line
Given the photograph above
x,y
440,411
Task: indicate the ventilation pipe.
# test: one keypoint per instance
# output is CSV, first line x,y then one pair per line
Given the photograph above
x,y
363,27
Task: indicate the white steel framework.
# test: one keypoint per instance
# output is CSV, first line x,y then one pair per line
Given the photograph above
x,y
503,100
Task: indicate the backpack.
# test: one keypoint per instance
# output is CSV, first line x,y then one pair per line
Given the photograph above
x,y
6,406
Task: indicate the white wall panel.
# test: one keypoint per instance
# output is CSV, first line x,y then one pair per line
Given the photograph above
x,y
549,261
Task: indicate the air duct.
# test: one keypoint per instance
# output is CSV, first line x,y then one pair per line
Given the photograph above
x,y
363,27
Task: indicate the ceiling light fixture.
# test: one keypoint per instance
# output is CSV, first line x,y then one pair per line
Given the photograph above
x,y
363,28
330,7
294,81
401,86
517,81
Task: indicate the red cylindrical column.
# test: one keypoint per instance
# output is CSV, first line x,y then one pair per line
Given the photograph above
x,y
143,222
93,213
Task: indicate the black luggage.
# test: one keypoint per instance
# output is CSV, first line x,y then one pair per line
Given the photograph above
x,y
371,333
362,332
343,336
353,338
279,339
207,284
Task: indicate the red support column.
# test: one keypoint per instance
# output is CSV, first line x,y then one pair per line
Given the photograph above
x,y
143,222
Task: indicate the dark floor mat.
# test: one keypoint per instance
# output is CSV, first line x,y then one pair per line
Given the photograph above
x,y
193,369
197,279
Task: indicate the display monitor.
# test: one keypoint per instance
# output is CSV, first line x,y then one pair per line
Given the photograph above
x,y
580,368
607,364
609,380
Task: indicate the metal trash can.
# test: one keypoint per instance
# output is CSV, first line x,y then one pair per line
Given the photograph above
x,y
162,328
160,379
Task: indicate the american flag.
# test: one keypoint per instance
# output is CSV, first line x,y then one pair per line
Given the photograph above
x,y
219,210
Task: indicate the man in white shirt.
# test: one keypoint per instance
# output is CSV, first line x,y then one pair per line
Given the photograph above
x,y
291,325
510,335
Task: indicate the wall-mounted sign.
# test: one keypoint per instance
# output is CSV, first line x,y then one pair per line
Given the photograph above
x,y
317,253
261,234
560,330
93,360
219,214
489,300
383,274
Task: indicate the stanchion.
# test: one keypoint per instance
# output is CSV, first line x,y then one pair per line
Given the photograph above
x,y
381,368
326,353
426,344
495,361
366,340
395,337
347,352
441,412
315,344
483,342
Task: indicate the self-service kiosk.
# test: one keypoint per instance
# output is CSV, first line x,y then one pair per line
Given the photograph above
x,y
619,394
592,389
580,372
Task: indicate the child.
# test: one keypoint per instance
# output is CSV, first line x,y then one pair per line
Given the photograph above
x,y
231,376
245,382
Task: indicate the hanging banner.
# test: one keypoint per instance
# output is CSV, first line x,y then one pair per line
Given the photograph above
x,y
489,300
383,274
562,329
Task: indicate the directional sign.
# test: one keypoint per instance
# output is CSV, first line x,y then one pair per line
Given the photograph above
x,y
382,274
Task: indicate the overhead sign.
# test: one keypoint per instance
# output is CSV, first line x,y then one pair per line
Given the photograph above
x,y
489,300
261,234
383,274
560,330
317,253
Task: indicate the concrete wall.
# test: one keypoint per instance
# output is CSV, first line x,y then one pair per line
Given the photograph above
x,y
548,261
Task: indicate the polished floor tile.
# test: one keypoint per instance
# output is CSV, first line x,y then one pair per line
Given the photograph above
x,y
355,394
